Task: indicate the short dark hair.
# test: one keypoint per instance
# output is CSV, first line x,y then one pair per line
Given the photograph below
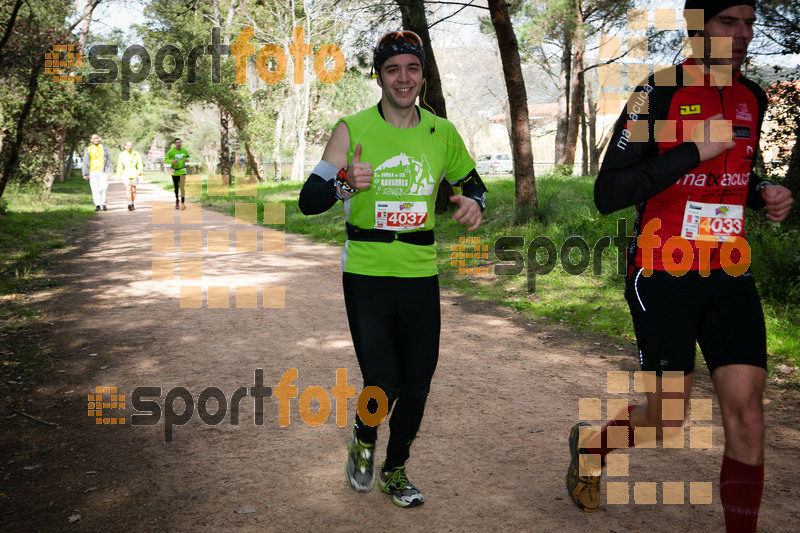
x,y
177,139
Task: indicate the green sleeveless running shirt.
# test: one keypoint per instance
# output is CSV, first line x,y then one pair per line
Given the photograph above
x,y
407,166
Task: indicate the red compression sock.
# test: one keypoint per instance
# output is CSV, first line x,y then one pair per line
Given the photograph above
x,y
740,488
604,449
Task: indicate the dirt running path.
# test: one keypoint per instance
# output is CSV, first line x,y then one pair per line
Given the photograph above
x,y
491,454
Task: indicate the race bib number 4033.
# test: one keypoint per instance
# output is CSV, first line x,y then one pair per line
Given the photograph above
x,y
712,220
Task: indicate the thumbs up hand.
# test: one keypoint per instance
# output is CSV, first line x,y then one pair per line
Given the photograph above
x,y
359,174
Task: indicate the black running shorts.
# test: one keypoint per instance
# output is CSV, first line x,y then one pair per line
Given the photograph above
x,y
720,312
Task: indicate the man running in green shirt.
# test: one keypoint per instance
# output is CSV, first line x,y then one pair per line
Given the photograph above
x,y
177,158
385,164
129,168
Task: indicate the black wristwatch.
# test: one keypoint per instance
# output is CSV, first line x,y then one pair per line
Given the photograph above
x,y
761,185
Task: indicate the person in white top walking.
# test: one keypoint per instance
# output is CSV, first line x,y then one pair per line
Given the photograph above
x,y
129,168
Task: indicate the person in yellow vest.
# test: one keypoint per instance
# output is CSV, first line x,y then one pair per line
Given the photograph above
x,y
97,168
129,168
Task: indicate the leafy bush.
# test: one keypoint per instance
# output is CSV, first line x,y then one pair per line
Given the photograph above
x,y
775,259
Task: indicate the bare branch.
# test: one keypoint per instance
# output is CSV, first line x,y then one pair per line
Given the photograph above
x,y
471,4
431,25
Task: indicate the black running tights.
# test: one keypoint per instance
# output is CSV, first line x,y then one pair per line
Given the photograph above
x,y
395,324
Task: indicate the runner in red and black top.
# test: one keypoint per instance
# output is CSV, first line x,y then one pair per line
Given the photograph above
x,y
682,154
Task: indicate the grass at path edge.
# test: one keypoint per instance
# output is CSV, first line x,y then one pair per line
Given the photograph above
x,y
35,231
589,302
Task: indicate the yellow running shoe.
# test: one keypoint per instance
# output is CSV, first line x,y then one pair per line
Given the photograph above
x,y
583,490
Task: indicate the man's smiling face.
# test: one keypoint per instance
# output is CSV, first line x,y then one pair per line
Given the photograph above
x,y
401,80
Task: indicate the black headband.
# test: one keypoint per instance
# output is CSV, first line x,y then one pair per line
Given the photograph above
x,y
399,46
713,7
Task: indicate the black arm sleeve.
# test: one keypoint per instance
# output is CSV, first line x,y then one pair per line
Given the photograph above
x,y
316,196
754,200
634,171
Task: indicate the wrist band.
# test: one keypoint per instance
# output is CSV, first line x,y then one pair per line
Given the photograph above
x,y
338,191
343,190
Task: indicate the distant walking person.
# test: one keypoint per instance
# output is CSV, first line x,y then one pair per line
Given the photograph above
x,y
177,158
129,168
97,168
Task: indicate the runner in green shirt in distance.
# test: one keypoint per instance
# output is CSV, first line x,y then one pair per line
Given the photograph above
x,y
177,158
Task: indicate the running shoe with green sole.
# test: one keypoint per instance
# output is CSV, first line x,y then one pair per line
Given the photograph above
x,y
583,490
360,465
396,483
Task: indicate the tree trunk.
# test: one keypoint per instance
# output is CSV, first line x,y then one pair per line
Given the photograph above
x,y
584,144
68,171
509,123
415,19
9,155
276,150
224,116
525,194
58,160
254,161
87,14
562,114
594,150
576,112
576,93
303,96
49,178
224,149
10,24
604,141
253,158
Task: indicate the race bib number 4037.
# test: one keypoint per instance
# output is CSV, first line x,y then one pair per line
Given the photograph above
x,y
400,215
